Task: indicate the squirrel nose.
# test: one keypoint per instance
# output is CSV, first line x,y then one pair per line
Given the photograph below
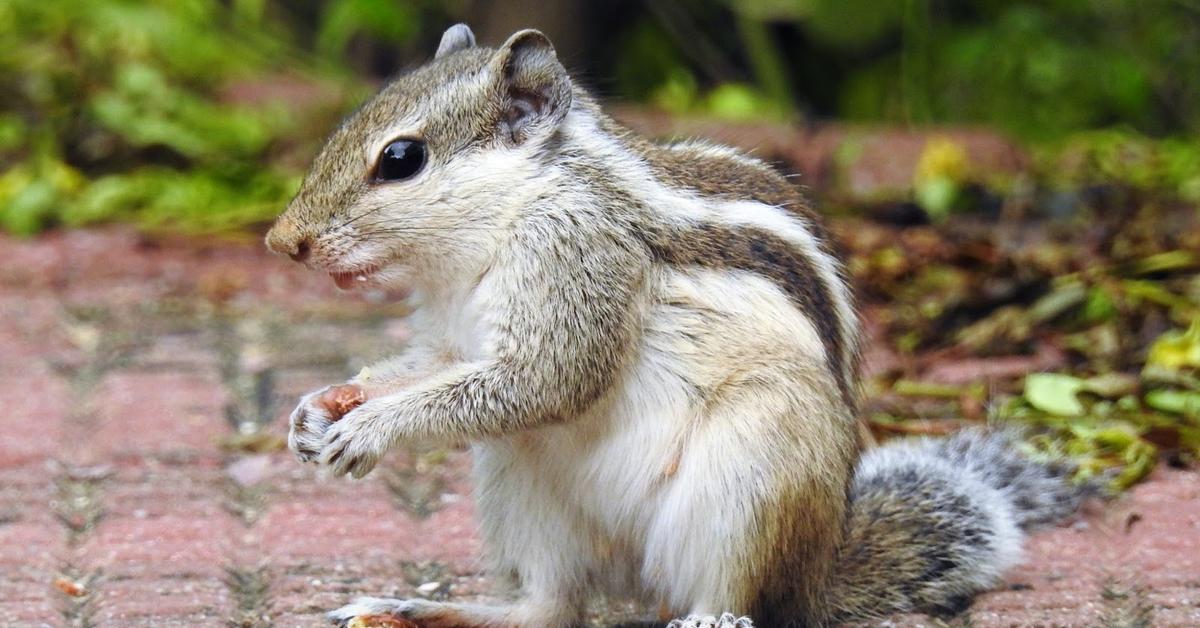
x,y
303,248
286,239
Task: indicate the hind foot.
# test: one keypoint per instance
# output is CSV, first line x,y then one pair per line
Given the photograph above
x,y
374,612
726,620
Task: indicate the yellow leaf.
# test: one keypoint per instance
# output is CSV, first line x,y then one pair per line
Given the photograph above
x,y
1177,349
942,158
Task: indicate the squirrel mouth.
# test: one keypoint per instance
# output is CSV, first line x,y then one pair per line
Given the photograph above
x,y
352,279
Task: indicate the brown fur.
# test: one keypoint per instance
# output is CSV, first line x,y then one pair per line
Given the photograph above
x,y
730,177
768,255
726,177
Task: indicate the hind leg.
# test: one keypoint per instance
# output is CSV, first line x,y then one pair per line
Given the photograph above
x,y
751,522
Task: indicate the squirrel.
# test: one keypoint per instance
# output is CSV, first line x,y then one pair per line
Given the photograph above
x,y
653,352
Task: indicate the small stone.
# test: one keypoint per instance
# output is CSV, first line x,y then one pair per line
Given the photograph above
x,y
429,588
250,470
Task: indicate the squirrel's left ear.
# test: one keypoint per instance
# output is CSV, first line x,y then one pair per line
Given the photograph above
x,y
534,88
457,37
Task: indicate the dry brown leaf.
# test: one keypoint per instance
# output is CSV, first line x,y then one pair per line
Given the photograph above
x,y
70,587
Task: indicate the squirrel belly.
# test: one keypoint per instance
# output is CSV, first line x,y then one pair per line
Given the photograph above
x,y
653,351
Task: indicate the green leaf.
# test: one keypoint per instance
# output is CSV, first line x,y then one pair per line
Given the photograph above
x,y
937,196
29,209
733,101
1111,385
1185,402
1055,393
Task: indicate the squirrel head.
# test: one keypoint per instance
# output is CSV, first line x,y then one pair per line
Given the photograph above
x,y
429,170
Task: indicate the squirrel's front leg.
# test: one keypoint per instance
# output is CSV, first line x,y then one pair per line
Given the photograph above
x,y
553,348
314,414
460,403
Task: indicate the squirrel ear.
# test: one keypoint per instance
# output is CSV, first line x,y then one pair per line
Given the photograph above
x,y
534,87
457,37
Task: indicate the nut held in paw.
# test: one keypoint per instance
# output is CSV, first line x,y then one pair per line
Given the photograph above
x,y
380,621
341,399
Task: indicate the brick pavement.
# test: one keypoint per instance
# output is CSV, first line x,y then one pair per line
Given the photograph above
x,y
145,386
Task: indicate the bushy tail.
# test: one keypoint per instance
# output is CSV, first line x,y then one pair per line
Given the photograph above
x,y
933,522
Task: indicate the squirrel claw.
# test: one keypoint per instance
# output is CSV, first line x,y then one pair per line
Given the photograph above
x,y
364,607
352,445
375,612
308,424
726,620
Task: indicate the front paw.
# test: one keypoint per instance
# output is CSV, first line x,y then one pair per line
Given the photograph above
x,y
356,443
308,424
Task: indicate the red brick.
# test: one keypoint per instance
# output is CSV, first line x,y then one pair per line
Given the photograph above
x,y
31,332
303,593
158,490
25,602
451,534
168,545
32,548
31,264
185,601
184,352
157,414
118,266
163,548
32,544
35,410
357,523
31,553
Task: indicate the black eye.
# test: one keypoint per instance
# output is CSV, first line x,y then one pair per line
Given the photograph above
x,y
400,160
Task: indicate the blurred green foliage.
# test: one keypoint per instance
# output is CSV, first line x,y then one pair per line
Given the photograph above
x,y
118,109
1040,69
1169,166
199,115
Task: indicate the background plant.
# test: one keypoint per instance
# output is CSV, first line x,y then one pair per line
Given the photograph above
x,y
198,115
